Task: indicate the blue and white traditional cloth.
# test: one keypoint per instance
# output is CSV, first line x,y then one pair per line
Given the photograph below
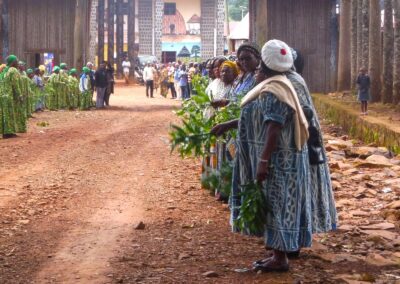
x,y
242,85
323,203
287,187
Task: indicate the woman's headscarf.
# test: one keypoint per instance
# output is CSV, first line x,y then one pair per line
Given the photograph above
x,y
63,65
72,71
232,65
250,47
56,69
29,71
86,70
277,56
42,68
11,59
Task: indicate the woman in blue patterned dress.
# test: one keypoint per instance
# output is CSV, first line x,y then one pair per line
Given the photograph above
x,y
272,136
323,203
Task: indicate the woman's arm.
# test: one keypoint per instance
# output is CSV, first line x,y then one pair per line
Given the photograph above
x,y
221,128
220,103
272,133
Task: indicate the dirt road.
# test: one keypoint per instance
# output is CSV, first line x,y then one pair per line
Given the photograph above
x,y
72,193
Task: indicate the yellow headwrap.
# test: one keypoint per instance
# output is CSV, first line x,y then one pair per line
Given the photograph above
x,y
231,65
42,68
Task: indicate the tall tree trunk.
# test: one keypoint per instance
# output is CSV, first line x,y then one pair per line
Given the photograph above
x,y
396,70
110,31
5,29
354,70
374,68
120,36
80,16
387,92
344,68
100,31
359,34
365,34
131,36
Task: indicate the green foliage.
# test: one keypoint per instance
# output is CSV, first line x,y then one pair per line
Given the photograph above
x,y
253,210
192,137
236,7
219,180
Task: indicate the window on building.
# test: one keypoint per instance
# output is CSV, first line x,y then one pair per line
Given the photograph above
x,y
172,29
169,8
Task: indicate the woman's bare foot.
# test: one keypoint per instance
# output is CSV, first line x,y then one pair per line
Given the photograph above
x,y
278,263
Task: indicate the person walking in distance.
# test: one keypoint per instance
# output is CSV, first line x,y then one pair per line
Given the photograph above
x,y
363,86
176,80
171,81
148,77
183,82
101,83
126,66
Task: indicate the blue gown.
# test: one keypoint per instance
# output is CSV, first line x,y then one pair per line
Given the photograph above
x,y
323,203
287,187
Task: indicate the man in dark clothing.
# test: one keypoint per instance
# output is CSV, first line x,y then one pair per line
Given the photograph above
x,y
101,84
110,86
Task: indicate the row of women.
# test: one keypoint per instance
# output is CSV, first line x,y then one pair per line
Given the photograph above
x,y
23,92
278,145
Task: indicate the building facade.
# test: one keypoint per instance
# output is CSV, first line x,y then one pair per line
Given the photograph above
x,y
168,27
309,26
33,29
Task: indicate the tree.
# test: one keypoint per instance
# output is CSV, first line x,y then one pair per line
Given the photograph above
x,y
359,34
365,33
195,49
237,9
354,71
387,73
79,32
374,68
344,69
396,69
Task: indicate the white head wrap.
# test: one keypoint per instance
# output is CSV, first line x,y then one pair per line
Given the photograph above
x,y
277,56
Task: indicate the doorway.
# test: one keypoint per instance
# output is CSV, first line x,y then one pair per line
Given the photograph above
x,y
168,56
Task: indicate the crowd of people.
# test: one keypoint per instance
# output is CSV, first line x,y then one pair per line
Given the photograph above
x,y
278,146
24,91
174,77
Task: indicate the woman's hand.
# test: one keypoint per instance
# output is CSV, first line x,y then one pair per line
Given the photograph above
x,y
220,129
219,103
262,171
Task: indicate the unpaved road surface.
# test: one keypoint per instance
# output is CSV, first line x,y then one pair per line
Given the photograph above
x,y
72,193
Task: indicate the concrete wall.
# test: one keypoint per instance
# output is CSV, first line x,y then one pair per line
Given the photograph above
x,y
158,22
93,28
145,13
212,20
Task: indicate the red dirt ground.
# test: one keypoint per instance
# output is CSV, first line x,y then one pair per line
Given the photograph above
x,y
72,193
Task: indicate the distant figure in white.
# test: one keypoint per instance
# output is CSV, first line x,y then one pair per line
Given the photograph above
x,y
126,66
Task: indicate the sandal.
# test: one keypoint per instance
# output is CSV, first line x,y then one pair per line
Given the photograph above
x,y
263,268
290,255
